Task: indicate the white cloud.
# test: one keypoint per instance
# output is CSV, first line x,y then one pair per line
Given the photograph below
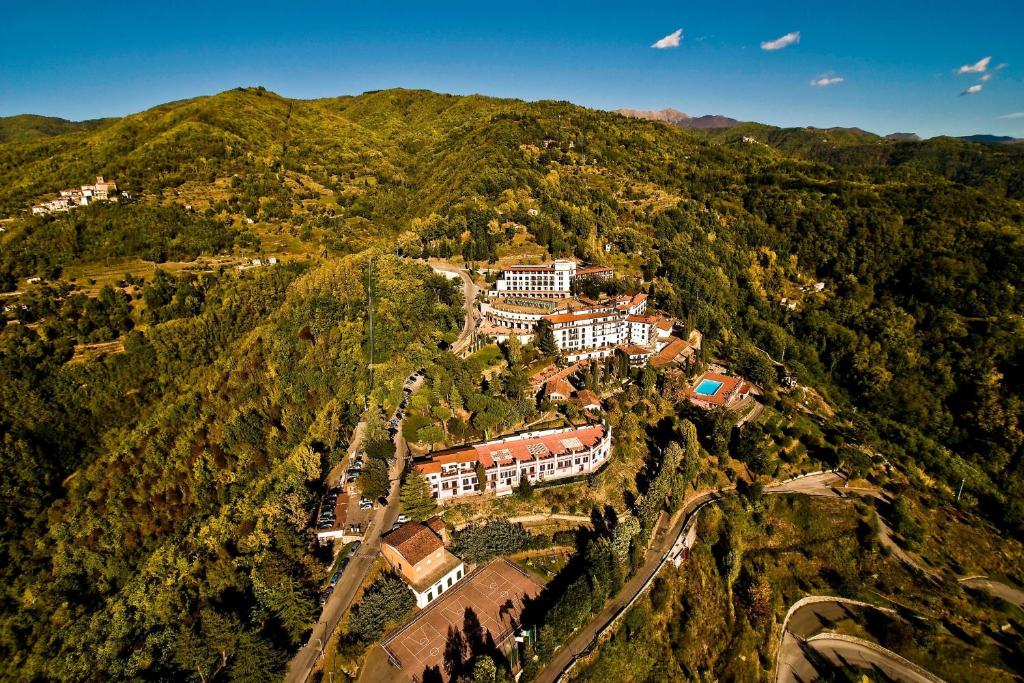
x,y
826,80
986,77
973,90
671,40
979,67
1014,115
784,41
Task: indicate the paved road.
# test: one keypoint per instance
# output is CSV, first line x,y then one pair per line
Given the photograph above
x,y
469,290
1009,593
355,571
657,556
846,651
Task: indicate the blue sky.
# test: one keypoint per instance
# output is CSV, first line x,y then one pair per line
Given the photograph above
x,y
898,60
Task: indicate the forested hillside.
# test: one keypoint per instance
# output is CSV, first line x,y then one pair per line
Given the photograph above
x,y
155,500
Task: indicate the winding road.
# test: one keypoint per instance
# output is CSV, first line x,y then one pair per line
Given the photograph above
x,y
305,660
463,344
668,539
805,639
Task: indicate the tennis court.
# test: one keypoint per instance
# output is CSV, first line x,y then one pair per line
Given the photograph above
x,y
494,593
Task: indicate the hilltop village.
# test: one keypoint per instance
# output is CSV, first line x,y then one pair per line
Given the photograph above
x,y
74,197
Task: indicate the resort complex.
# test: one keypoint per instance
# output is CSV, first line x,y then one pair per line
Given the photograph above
x,y
504,463
526,297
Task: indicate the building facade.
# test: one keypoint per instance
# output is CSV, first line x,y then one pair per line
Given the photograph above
x,y
548,281
417,552
535,456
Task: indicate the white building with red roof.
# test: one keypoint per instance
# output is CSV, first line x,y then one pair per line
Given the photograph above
x,y
535,456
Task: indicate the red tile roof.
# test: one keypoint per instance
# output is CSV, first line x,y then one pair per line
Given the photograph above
x,y
414,541
634,350
522,448
720,397
575,317
670,352
558,386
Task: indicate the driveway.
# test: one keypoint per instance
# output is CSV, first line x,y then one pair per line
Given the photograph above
x,y
352,577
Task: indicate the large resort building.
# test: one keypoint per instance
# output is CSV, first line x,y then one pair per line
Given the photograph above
x,y
550,281
534,456
583,328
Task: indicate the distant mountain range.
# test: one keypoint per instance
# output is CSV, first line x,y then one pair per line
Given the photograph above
x,y
678,118
675,117
992,139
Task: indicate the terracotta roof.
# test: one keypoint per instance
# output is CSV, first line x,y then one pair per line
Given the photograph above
x,y
436,524
634,350
649,319
664,324
670,352
551,373
522,447
574,317
558,386
588,398
414,541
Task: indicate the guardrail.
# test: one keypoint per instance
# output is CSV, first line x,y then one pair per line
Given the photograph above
x,y
878,649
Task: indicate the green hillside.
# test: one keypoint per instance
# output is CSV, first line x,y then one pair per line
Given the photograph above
x,y
157,499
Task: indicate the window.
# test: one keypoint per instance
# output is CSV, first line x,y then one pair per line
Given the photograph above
x,y
449,582
430,595
458,575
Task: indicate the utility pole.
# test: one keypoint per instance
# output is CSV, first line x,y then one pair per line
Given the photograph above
x,y
369,305
961,489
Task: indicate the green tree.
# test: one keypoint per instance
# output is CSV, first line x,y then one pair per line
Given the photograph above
x,y
417,500
545,338
385,602
430,435
375,481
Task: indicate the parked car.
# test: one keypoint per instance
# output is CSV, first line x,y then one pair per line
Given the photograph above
x,y
354,547
402,519
324,526
368,505
325,596
335,578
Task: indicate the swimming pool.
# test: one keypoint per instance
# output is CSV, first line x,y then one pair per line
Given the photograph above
x,y
707,387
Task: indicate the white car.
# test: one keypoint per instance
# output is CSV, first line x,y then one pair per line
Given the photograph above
x,y
402,519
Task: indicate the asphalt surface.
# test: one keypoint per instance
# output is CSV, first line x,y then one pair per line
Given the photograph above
x,y
352,577
1001,590
657,556
846,652
469,290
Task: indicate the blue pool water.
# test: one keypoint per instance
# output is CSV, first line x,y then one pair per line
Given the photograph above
x,y
707,387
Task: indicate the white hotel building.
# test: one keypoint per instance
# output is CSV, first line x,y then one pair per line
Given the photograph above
x,y
550,281
537,456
